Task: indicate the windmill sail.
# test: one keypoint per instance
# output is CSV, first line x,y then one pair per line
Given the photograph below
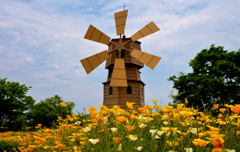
x,y
96,35
120,21
119,77
94,61
148,59
146,30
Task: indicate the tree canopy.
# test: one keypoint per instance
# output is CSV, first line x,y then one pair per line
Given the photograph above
x,y
216,73
46,112
13,103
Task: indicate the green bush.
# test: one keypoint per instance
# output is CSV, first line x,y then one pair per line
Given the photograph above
x,y
3,129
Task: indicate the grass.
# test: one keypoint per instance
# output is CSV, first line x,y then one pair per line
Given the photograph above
x,y
149,129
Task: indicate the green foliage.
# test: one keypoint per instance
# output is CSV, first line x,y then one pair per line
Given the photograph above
x,y
46,111
216,73
8,146
13,104
3,129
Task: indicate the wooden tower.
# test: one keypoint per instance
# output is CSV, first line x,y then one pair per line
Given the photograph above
x,y
134,92
124,58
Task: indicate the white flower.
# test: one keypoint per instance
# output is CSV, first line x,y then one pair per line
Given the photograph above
x,y
77,122
114,129
152,131
165,123
73,139
193,130
120,147
141,125
165,129
145,119
127,121
87,129
132,138
165,116
228,150
174,132
141,118
139,148
93,141
188,149
156,137
160,133
168,133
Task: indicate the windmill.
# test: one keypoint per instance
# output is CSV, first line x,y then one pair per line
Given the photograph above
x,y
124,58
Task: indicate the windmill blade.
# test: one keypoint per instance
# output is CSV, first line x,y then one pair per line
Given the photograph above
x,y
146,30
148,59
119,77
90,63
96,35
120,21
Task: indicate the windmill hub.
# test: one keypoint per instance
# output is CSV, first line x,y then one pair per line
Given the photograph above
x,y
120,46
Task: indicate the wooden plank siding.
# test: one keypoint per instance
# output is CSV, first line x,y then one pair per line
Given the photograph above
x,y
135,61
134,97
138,74
109,100
127,57
131,72
121,97
134,45
108,61
142,95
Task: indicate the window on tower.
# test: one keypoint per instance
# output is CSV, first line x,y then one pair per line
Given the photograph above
x,y
129,90
110,73
122,54
110,90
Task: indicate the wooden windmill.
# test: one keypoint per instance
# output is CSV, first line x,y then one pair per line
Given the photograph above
x,y
124,58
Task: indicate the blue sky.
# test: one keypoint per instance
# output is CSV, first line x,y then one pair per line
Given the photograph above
x,y
41,42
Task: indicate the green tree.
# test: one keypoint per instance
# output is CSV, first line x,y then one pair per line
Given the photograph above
x,y
46,112
13,104
216,73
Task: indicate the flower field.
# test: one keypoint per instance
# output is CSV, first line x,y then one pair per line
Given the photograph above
x,y
149,129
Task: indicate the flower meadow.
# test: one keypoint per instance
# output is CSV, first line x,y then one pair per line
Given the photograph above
x,y
149,129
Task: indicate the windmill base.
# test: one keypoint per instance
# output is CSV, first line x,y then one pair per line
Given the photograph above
x,y
121,95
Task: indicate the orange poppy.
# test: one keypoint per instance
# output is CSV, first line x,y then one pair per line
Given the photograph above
x,y
129,128
218,142
116,139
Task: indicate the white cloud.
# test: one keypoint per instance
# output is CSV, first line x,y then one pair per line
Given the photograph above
x,y
29,59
